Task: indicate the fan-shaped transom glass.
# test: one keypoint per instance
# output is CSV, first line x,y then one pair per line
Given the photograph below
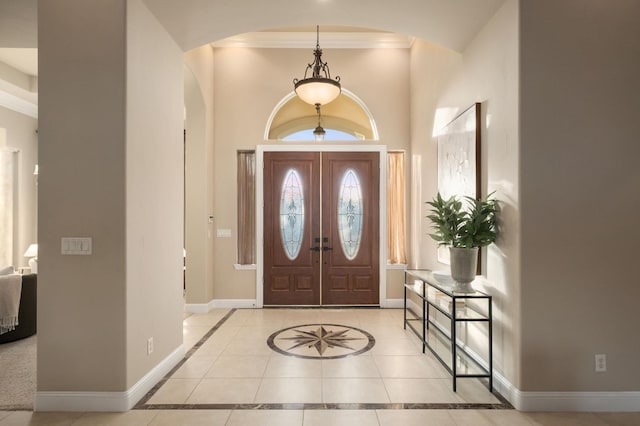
x,y
350,211
292,214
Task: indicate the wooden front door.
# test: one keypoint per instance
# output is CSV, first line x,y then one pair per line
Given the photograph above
x,y
321,228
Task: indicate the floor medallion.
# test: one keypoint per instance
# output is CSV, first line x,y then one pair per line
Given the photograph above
x,y
321,341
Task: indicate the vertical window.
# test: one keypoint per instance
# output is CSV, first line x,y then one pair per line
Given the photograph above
x,y
246,207
350,212
396,214
292,214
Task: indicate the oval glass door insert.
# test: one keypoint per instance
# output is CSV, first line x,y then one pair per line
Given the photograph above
x,y
350,211
292,214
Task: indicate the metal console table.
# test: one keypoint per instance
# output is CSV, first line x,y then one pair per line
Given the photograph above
x,y
439,301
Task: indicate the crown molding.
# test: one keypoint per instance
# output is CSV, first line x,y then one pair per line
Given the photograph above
x,y
17,104
306,40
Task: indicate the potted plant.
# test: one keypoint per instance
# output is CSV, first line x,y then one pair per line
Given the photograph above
x,y
464,226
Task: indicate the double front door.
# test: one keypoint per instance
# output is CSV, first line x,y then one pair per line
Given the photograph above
x,y
321,228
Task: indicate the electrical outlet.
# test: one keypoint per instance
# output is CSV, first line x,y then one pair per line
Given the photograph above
x,y
601,363
149,345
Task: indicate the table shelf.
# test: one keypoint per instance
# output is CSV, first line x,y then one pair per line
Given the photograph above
x,y
438,297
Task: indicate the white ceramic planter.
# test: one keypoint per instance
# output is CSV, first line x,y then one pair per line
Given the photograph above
x,y
464,263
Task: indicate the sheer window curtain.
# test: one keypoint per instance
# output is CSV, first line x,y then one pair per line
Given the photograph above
x,y
7,157
246,207
396,212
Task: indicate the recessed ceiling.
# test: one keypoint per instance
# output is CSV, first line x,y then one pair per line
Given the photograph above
x,y
449,23
22,59
330,37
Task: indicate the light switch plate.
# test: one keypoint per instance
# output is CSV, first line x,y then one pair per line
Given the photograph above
x,y
76,246
223,233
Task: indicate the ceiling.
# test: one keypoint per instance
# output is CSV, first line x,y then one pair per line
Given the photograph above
x,y
192,23
450,23
275,23
22,59
333,37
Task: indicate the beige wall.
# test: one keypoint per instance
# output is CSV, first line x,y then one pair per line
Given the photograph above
x,y
580,194
249,83
577,79
82,325
431,67
199,233
154,192
20,131
444,84
110,129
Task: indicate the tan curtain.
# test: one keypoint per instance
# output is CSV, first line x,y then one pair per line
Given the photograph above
x,y
396,214
6,207
246,208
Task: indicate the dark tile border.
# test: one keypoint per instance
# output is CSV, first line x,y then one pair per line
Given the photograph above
x,y
332,406
142,404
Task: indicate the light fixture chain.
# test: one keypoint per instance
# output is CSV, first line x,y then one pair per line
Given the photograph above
x,y
320,88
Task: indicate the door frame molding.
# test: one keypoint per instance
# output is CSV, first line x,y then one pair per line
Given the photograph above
x,y
261,149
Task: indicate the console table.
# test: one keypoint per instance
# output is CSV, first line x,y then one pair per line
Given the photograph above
x,y
454,310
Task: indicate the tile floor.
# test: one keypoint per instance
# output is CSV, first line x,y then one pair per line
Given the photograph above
x,y
230,373
236,366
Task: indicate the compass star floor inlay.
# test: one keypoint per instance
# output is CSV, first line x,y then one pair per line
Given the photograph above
x,y
321,341
250,360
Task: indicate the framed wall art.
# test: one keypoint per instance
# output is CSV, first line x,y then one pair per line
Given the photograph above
x,y
459,160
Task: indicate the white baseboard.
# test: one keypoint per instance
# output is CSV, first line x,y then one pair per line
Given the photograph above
x,y
392,304
107,401
234,303
577,401
556,401
198,308
203,308
564,401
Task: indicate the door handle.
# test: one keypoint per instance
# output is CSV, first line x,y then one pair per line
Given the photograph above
x,y
316,248
325,248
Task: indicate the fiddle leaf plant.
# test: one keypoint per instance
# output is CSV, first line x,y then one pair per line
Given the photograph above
x,y
464,225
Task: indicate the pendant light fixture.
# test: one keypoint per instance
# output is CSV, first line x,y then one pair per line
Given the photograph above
x,y
320,88
318,132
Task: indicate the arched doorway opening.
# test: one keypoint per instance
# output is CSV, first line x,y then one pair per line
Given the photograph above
x,y
347,115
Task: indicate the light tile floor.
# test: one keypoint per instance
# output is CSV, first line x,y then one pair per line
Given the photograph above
x,y
236,366
232,366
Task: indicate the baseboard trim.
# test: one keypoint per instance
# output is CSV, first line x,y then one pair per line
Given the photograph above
x,y
566,401
393,304
556,401
577,401
107,401
203,308
234,303
198,308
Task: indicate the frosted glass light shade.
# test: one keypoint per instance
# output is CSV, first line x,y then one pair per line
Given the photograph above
x,y
317,90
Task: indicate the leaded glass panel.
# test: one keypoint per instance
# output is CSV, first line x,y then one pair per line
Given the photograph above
x,y
350,211
292,214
